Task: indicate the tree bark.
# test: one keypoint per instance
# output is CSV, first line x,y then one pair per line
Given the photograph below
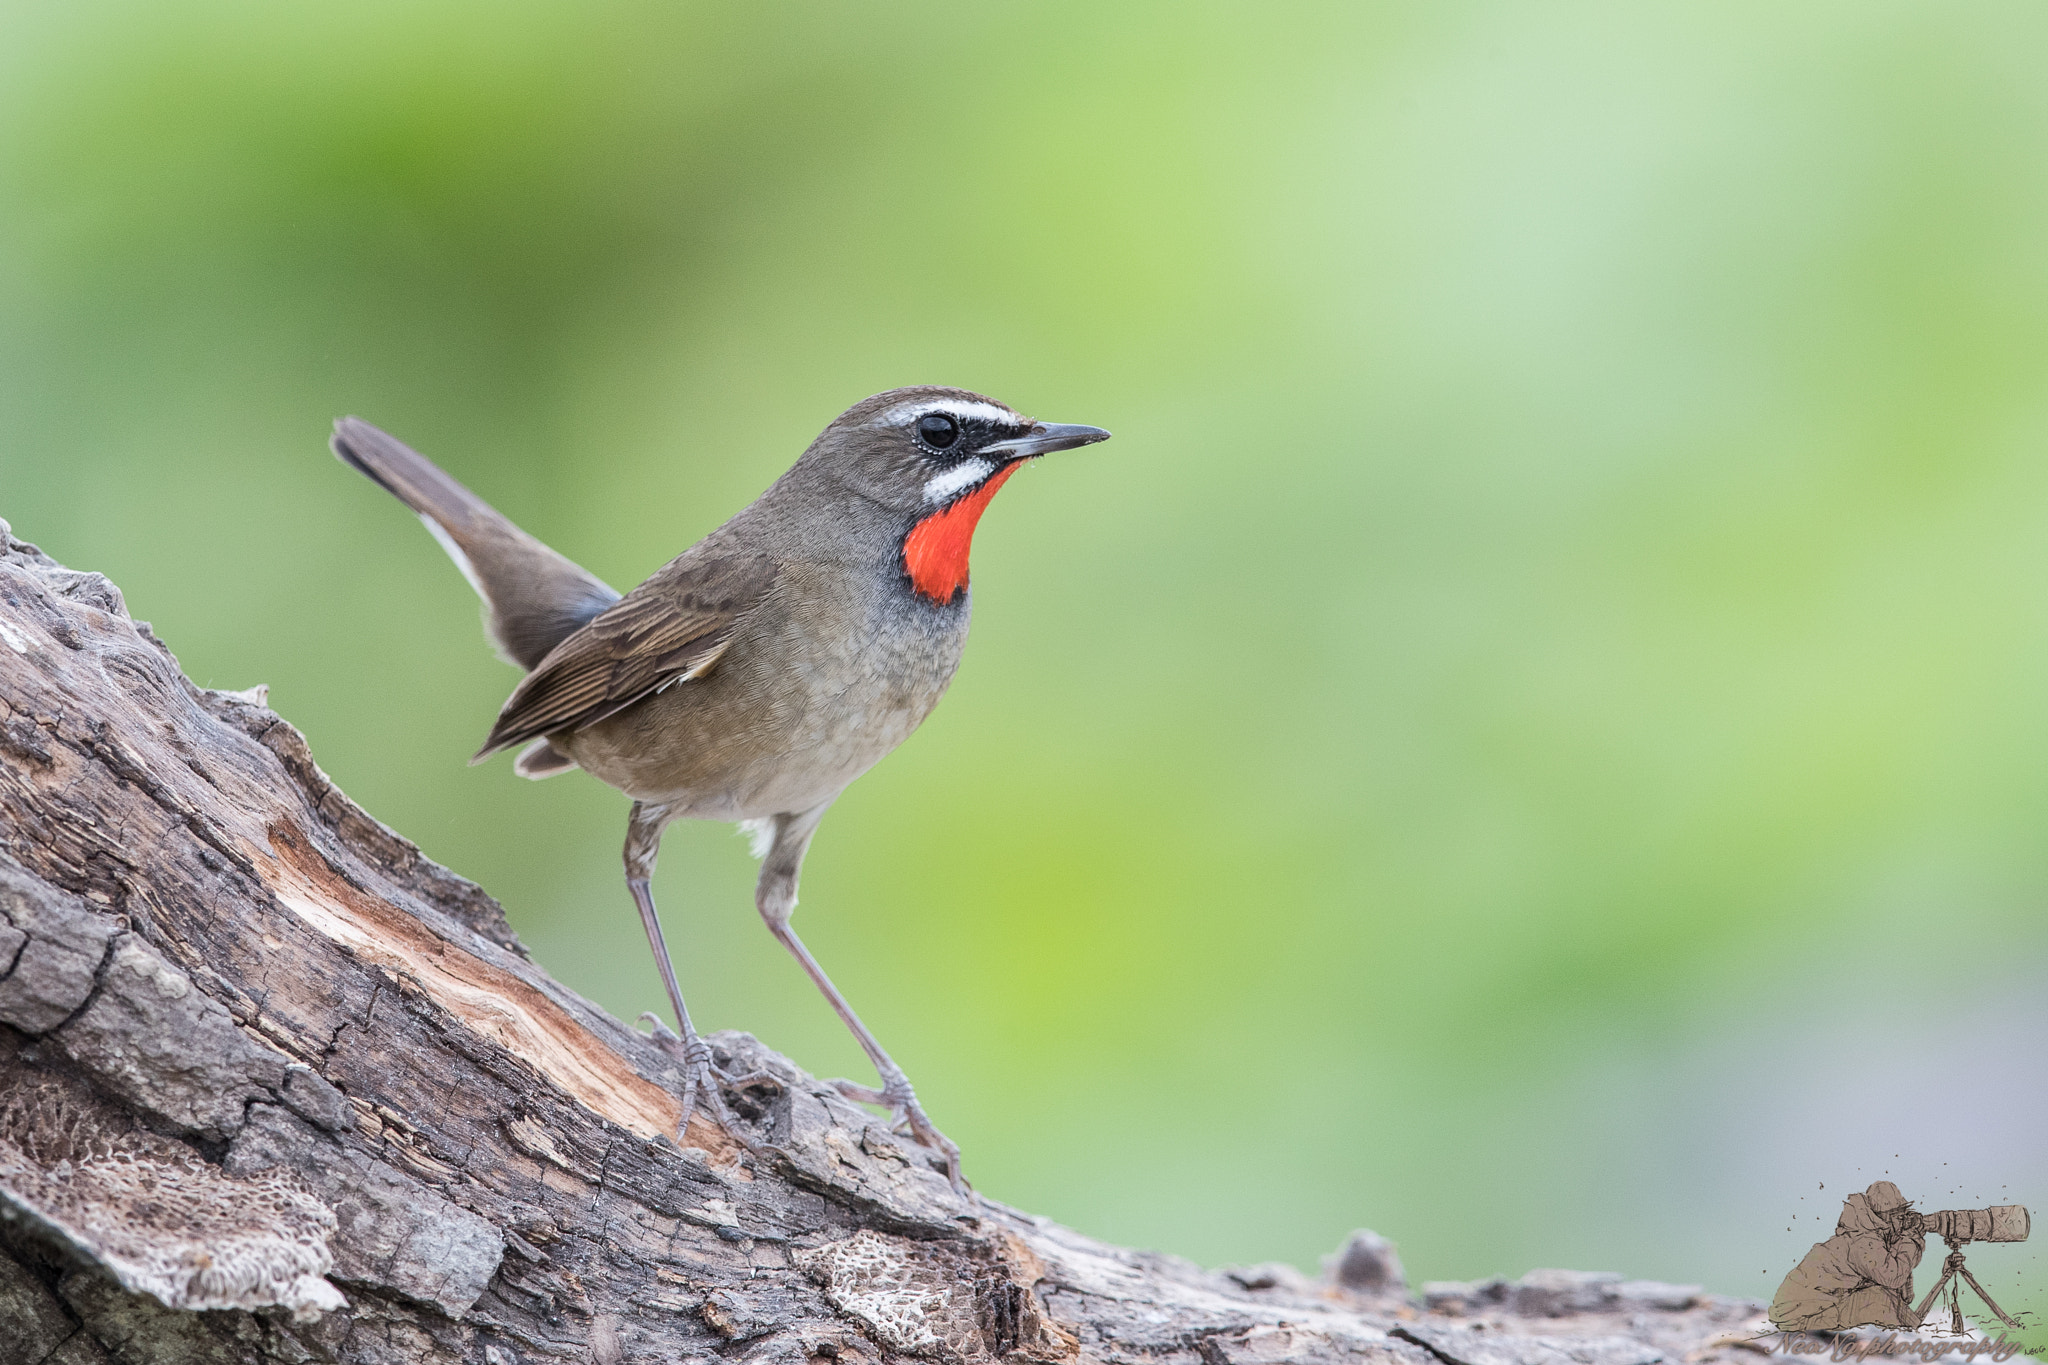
x,y
274,1087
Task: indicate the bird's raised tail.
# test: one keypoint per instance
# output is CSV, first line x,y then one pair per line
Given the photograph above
x,y
533,597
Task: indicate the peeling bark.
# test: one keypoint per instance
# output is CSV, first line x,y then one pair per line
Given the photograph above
x,y
276,1088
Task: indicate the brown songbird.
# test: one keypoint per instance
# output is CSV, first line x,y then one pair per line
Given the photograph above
x,y
758,673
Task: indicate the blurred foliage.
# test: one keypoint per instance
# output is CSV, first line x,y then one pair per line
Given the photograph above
x,y
1570,571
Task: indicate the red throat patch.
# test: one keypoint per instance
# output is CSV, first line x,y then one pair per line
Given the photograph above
x,y
935,551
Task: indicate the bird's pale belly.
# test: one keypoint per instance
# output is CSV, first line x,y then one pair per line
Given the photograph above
x,y
743,743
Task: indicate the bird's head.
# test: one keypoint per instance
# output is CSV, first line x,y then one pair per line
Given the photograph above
x,y
935,457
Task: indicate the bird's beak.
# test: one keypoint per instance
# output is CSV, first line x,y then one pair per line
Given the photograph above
x,y
1043,439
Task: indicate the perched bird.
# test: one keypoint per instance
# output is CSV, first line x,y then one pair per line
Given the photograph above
x,y
758,673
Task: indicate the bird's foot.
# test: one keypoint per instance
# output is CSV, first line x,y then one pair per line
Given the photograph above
x,y
908,1116
704,1080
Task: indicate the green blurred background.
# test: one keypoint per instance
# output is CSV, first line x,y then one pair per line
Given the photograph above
x,y
1533,738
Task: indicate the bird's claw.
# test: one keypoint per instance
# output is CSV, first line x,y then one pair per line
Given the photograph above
x,y
704,1079
907,1116
860,1094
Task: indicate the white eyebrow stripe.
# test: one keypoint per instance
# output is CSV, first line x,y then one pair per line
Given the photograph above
x,y
961,408
961,477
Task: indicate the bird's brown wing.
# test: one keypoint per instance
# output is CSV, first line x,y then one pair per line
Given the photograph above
x,y
670,629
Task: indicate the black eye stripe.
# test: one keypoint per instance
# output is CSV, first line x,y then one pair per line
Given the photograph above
x,y
954,434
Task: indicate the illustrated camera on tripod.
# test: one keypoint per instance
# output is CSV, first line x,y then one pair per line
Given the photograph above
x,y
1999,1223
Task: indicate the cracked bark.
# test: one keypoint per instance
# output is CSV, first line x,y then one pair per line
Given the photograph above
x,y
274,1087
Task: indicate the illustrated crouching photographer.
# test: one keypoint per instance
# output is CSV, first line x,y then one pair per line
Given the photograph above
x,y
1863,1275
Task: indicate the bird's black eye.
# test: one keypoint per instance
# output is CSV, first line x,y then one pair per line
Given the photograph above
x,y
938,430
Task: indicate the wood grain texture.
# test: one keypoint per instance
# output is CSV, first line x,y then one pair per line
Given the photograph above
x,y
276,1088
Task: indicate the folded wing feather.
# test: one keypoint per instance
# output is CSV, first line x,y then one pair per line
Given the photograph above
x,y
672,628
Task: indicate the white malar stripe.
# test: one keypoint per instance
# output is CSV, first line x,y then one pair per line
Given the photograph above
x,y
943,486
964,409
455,553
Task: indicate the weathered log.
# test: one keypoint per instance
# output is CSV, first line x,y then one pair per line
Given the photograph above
x,y
274,1087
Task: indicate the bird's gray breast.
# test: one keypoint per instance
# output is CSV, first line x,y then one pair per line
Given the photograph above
x,y
864,689
823,679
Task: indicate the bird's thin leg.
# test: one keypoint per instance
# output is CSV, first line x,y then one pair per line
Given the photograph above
x,y
700,1076
775,897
